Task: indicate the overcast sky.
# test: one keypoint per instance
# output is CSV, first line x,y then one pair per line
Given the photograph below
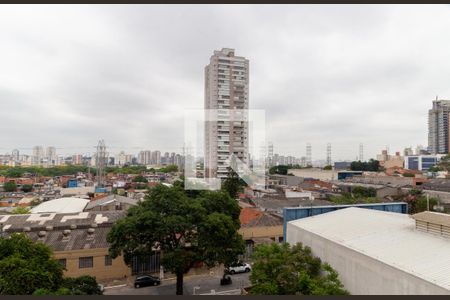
x,y
347,74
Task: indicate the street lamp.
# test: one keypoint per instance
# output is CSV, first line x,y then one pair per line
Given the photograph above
x,y
195,288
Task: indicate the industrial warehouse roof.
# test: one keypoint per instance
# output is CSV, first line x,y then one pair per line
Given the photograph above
x,y
110,199
64,232
61,205
388,237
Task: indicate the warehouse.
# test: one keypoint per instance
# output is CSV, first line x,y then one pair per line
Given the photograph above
x,y
378,252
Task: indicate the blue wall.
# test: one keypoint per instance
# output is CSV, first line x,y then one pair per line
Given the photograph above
x,y
295,213
72,183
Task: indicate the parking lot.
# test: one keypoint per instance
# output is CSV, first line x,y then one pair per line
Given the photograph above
x,y
203,284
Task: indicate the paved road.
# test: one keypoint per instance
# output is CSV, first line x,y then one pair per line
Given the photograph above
x,y
167,287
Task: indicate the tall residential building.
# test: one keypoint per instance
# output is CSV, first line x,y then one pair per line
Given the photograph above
x,y
156,157
50,155
227,88
145,157
438,127
15,155
38,155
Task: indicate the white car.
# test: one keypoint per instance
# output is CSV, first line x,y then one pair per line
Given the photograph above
x,y
238,268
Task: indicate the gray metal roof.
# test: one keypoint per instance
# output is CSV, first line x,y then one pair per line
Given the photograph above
x,y
111,198
64,232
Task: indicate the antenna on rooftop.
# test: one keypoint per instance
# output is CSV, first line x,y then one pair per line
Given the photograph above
x,y
100,162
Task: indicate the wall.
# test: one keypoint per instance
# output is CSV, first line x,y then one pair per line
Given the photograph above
x,y
117,270
261,232
315,173
361,274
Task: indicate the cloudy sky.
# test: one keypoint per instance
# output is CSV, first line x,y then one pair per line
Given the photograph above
x,y
348,74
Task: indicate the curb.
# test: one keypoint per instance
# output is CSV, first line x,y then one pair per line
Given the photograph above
x,y
115,286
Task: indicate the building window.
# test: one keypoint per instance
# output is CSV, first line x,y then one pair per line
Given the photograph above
x,y
63,262
108,260
86,262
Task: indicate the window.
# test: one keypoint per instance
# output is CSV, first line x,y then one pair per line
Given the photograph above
x,y
108,260
63,262
86,262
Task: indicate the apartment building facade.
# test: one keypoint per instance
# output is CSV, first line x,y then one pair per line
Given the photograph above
x,y
438,127
226,92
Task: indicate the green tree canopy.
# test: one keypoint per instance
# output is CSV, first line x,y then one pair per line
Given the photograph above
x,y
20,210
140,178
185,230
285,270
371,166
10,186
233,184
26,266
27,188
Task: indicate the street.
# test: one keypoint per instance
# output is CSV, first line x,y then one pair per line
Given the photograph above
x,y
205,284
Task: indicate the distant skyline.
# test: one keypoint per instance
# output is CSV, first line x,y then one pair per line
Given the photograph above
x,y
341,74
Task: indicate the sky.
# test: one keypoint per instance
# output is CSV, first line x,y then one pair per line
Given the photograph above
x,y
346,74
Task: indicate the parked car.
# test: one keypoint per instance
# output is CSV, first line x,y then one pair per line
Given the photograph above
x,y
238,267
146,280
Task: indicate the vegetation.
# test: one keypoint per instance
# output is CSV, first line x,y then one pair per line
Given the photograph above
x,y
169,169
285,270
26,188
372,165
328,167
20,210
10,186
140,178
417,201
16,172
28,268
281,169
359,194
186,230
233,184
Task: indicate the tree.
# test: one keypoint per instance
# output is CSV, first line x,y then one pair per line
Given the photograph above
x,y
285,270
82,285
26,266
186,230
328,167
233,185
281,169
26,188
140,178
9,186
372,166
20,210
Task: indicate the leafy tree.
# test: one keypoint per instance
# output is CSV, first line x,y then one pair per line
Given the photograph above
x,y
20,210
328,167
371,166
233,184
140,178
285,270
26,188
26,266
82,285
417,201
10,186
185,230
444,163
281,169
169,169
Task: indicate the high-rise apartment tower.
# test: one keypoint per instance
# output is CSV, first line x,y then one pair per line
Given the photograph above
x,y
438,127
227,91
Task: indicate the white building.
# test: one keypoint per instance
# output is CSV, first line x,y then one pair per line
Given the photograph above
x,y
38,155
380,253
226,88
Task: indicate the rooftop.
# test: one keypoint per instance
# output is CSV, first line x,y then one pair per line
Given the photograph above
x,y
388,237
61,205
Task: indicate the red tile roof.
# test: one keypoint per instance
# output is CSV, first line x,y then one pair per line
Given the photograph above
x,y
249,214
